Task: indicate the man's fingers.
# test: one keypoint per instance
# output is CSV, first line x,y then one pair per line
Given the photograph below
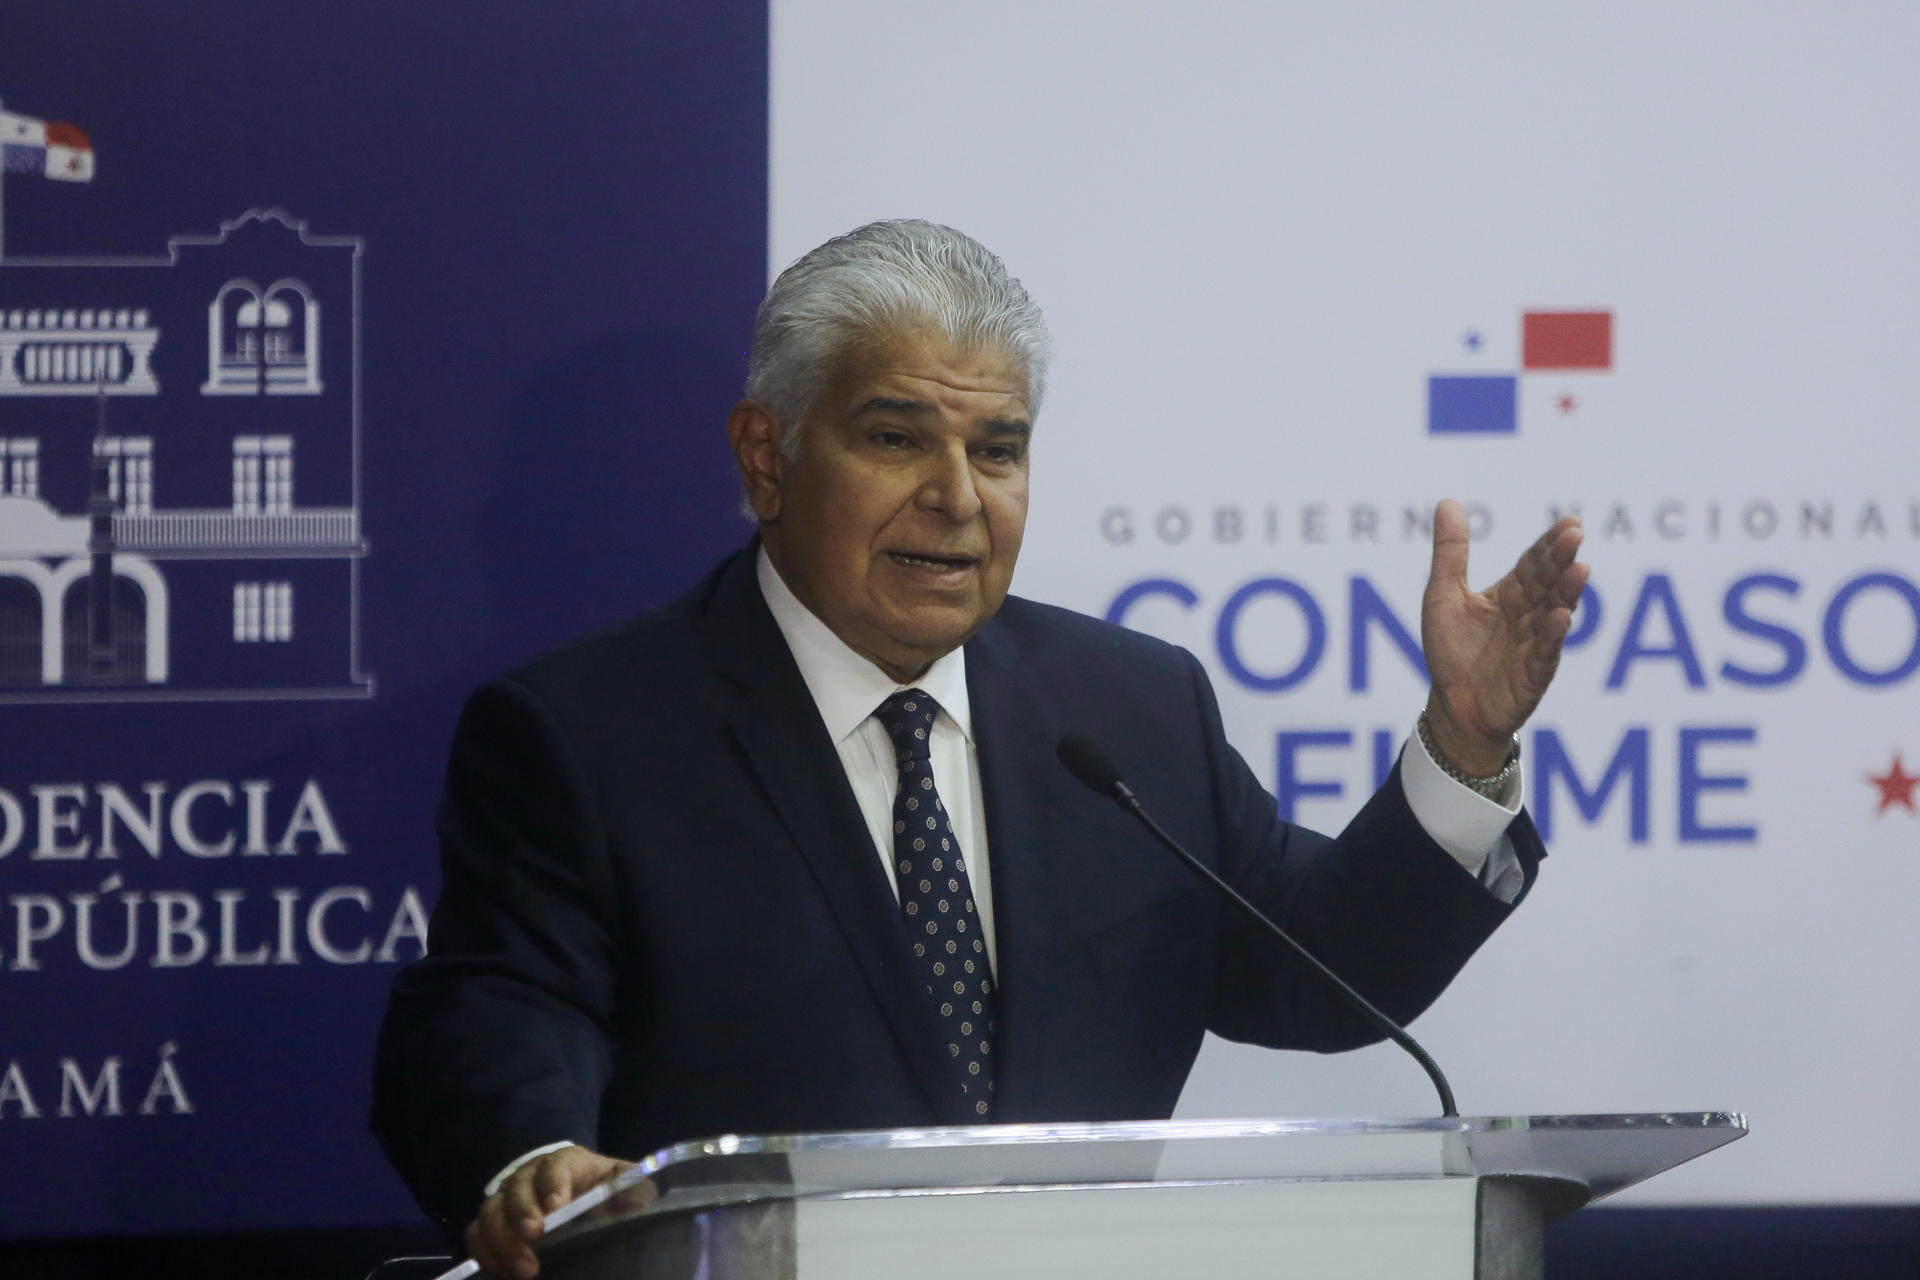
x,y
1546,573
1560,545
1572,582
497,1241
476,1242
1541,565
480,1247
509,1222
1557,580
520,1205
569,1173
1559,530
1553,633
553,1184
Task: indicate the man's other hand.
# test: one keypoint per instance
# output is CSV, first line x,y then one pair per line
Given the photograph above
x,y
501,1235
1491,654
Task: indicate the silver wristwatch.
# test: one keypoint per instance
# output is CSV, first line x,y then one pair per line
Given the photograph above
x,y
1490,787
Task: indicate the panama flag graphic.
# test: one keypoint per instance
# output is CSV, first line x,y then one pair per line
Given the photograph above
x,y
50,148
1551,342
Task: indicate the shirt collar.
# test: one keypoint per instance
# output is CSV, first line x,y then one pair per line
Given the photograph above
x,y
846,687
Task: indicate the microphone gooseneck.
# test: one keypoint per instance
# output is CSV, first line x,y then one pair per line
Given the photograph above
x,y
1095,770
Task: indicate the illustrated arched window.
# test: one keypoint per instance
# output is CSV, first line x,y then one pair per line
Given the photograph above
x,y
105,641
233,366
20,632
263,341
292,337
260,337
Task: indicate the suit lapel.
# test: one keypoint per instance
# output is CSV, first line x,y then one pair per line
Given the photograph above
x,y
1016,726
772,716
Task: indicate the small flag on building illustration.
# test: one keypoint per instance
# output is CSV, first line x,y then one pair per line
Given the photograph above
x,y
49,148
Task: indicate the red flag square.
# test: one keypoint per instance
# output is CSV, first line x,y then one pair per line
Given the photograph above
x,y
62,134
1566,340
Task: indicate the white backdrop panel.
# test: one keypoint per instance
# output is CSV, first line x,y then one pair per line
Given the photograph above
x,y
1258,229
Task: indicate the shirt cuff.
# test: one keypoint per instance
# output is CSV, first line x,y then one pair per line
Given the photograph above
x,y
1468,825
507,1172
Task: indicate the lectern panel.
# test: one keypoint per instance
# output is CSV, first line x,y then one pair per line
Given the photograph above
x,y
1414,1230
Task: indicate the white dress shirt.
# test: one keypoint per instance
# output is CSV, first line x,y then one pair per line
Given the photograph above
x,y
847,688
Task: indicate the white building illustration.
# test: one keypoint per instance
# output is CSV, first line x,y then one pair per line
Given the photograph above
x,y
180,470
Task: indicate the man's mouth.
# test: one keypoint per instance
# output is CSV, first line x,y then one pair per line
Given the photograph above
x,y
922,560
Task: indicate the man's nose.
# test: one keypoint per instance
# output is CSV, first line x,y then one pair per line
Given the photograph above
x,y
949,486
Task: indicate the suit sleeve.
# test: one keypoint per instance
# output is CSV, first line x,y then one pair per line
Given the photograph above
x,y
500,1040
1382,905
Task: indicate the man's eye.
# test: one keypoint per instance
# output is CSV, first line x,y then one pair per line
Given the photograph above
x,y
891,439
1001,454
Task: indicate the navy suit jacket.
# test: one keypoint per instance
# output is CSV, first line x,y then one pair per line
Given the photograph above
x,y
662,915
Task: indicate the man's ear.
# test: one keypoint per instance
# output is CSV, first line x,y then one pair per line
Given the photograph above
x,y
755,436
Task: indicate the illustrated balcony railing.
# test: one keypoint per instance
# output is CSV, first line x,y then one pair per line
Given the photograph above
x,y
308,528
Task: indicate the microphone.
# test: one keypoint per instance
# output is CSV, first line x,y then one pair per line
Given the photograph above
x,y
1095,770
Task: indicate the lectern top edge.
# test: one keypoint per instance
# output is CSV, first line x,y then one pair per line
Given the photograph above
x,y
1601,1154
1732,1123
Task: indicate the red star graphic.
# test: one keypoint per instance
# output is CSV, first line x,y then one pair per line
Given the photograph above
x,y
1896,787
1567,403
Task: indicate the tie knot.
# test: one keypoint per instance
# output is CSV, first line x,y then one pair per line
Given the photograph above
x,y
908,716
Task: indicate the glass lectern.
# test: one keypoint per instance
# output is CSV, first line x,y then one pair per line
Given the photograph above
x,y
1454,1198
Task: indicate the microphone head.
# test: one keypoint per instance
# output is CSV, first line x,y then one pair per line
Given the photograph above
x,y
1085,760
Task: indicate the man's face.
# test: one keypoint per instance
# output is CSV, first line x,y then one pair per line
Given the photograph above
x,y
899,520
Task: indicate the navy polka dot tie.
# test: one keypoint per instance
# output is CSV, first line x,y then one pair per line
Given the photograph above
x,y
949,950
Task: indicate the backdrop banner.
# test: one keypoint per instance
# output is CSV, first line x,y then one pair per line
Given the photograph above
x,y
347,353
1312,268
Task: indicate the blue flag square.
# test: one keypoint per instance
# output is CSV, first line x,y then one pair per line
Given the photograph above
x,y
21,157
1482,404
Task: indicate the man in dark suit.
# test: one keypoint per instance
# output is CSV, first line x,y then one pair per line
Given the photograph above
x,y
793,852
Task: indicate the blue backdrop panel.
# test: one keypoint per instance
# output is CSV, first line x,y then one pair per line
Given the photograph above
x,y
387,344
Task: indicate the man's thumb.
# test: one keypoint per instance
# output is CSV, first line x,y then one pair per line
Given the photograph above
x,y
1449,542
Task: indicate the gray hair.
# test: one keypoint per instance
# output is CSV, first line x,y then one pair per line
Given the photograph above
x,y
884,276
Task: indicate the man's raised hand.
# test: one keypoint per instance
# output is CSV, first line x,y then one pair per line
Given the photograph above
x,y
1491,654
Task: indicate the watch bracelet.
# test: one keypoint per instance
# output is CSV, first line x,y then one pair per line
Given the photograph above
x,y
1489,786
